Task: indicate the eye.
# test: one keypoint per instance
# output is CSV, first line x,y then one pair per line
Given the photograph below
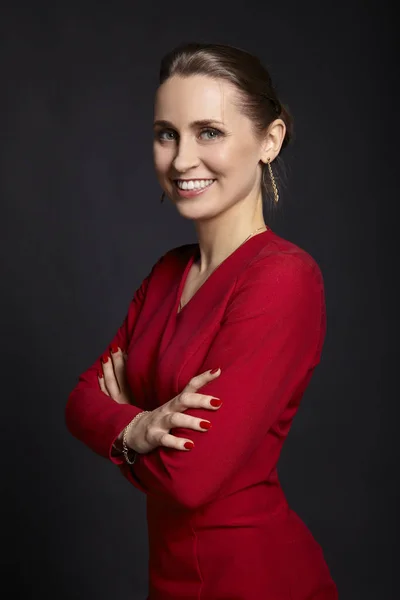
x,y
215,133
167,132
169,135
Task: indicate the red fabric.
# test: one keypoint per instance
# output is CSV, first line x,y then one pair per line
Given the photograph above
x,y
219,523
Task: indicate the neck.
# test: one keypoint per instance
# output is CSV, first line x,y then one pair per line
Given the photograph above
x,y
221,234
219,250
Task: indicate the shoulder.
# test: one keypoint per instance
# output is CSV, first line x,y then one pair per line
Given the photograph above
x,y
178,255
172,261
282,262
281,278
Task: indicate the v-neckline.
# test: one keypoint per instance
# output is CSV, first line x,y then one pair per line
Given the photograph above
x,y
195,255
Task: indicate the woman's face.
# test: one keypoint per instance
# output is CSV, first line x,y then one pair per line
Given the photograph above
x,y
222,148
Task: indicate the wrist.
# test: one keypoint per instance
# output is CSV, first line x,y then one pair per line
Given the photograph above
x,y
117,446
128,438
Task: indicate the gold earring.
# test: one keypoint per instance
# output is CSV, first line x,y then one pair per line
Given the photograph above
x,y
162,197
276,195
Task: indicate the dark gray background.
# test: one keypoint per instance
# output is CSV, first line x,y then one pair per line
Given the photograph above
x,y
82,225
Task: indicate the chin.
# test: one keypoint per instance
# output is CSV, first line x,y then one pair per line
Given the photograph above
x,y
196,213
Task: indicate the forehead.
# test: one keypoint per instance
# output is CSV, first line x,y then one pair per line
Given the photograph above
x,y
186,99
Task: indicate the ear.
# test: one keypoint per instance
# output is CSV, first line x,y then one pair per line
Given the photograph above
x,y
273,140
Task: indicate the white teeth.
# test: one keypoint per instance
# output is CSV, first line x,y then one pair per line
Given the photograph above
x,y
194,185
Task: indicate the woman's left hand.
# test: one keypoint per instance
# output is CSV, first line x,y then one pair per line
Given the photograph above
x,y
112,379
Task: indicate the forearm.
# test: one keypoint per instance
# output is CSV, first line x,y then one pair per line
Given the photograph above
x,y
97,420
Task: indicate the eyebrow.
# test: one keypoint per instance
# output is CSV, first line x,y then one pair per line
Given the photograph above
x,y
198,123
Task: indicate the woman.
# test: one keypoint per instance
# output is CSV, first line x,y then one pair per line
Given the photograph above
x,y
243,302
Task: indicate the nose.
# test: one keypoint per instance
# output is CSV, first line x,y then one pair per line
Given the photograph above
x,y
186,156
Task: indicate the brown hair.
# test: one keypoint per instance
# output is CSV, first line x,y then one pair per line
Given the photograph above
x,y
256,98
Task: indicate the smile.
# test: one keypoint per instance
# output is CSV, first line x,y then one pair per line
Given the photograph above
x,y
193,184
193,187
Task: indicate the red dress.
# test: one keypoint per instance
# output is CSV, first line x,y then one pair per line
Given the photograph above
x,y
219,524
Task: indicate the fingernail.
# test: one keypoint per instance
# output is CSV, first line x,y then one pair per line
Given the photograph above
x,y
100,374
114,348
215,402
214,371
105,357
188,445
205,424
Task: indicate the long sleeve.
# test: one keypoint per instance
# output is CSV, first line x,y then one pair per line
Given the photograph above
x,y
90,415
267,346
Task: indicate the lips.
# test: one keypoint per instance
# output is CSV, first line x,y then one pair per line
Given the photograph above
x,y
189,193
192,182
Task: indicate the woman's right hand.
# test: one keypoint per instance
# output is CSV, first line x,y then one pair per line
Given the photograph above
x,y
152,430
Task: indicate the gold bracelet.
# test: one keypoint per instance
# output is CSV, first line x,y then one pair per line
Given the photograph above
x,y
125,447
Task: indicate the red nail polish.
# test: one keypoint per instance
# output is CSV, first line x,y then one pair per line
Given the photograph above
x,y
105,357
205,424
214,371
114,348
100,374
215,402
188,445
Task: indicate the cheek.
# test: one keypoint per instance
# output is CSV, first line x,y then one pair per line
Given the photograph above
x,y
161,159
232,160
219,159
